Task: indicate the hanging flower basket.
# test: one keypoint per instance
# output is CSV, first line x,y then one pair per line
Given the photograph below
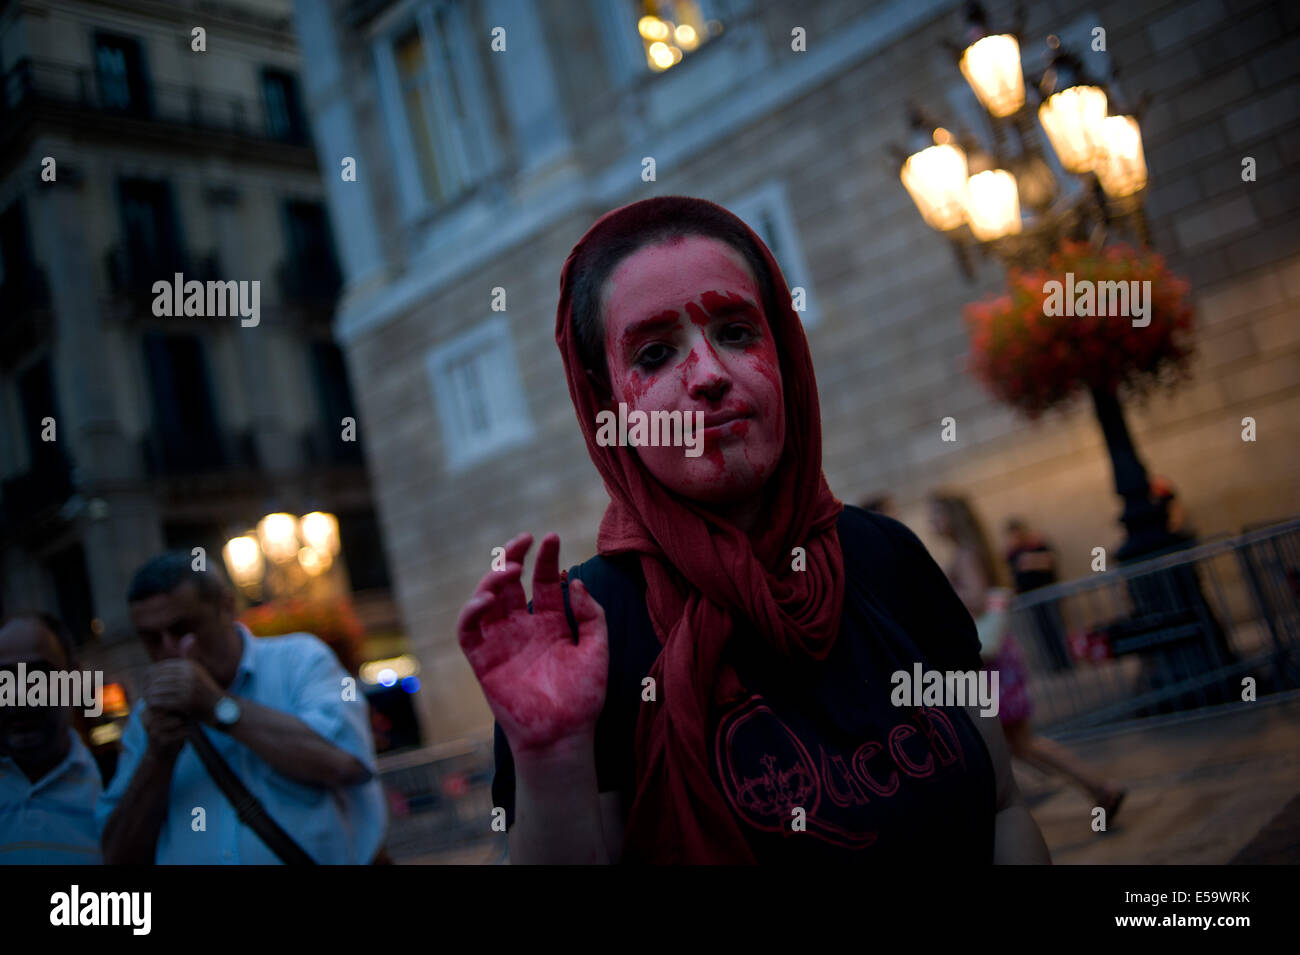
x,y
334,621
1034,348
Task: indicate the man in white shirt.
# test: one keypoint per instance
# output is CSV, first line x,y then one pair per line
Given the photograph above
x,y
281,712
48,779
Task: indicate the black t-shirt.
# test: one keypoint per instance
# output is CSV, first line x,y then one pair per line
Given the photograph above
x,y
876,782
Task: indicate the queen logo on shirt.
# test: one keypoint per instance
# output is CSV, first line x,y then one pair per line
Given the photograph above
x,y
767,771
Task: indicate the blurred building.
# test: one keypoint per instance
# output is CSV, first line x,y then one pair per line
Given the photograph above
x,y
163,158
487,136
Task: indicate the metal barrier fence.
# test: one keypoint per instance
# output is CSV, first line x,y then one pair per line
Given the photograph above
x,y
1165,635
440,800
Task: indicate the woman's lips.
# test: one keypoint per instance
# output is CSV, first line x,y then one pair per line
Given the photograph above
x,y
724,424
722,417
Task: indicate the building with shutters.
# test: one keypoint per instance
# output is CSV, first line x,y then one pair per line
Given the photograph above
x,y
133,150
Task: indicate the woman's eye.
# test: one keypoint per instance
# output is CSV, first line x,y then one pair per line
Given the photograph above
x,y
738,333
652,356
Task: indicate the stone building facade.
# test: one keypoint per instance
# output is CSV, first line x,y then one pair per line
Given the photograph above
x,y
478,168
133,150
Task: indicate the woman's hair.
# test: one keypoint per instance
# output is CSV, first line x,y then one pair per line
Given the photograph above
x,y
968,531
669,221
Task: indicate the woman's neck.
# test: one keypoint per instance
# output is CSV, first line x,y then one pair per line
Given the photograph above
x,y
743,513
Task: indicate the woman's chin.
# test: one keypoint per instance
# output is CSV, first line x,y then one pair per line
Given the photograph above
x,y
733,490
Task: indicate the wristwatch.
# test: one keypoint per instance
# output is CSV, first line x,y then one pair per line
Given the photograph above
x,y
226,713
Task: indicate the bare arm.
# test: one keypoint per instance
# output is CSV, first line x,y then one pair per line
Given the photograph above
x,y
1016,837
286,743
294,749
546,692
130,835
559,815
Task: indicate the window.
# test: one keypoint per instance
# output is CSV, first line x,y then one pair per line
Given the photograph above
x,y
766,210
72,592
432,93
119,68
21,281
284,115
330,374
417,108
152,247
186,437
37,401
478,392
632,28
671,30
311,269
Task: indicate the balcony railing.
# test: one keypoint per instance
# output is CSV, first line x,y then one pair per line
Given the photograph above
x,y
179,455
131,275
39,82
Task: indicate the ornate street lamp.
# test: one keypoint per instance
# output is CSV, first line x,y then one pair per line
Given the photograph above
x,y
984,211
285,555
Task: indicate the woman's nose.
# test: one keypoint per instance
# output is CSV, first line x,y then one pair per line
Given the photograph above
x,y
706,375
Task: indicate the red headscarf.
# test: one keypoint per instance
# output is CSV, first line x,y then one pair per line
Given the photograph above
x,y
700,570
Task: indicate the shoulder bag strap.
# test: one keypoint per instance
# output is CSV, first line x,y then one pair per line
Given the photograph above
x,y
251,812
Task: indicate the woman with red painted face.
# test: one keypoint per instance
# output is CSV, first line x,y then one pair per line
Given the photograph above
x,y
715,685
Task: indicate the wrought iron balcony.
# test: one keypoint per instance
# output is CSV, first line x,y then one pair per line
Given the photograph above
x,y
175,455
131,275
73,93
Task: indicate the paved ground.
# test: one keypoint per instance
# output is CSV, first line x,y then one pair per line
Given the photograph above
x,y
1220,787
1200,791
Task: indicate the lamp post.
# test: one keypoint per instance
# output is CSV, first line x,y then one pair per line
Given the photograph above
x,y
979,199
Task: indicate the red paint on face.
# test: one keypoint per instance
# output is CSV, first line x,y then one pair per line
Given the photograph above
x,y
685,331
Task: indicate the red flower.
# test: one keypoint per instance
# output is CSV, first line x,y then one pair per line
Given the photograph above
x,y
1034,361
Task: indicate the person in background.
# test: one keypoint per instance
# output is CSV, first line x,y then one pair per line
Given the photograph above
x,y
48,779
1033,564
274,707
1162,489
976,578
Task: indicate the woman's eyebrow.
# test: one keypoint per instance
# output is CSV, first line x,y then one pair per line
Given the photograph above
x,y
664,319
731,308
670,317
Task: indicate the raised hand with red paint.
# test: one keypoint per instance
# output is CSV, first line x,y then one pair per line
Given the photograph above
x,y
544,689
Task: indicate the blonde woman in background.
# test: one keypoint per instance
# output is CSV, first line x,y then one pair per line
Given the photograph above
x,y
977,577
